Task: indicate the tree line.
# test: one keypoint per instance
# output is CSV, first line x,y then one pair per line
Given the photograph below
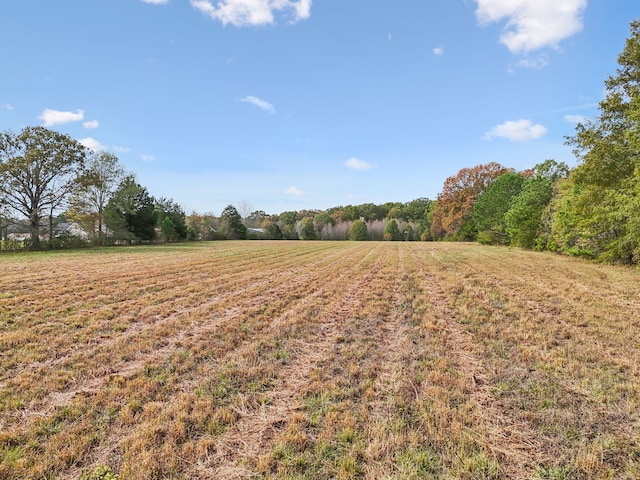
x,y
592,210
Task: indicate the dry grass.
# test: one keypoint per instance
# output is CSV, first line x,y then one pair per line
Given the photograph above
x,y
318,360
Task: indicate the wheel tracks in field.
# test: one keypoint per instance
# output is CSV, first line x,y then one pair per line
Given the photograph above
x,y
518,446
255,432
189,383
279,281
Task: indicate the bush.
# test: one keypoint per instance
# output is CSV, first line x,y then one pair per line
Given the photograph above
x,y
358,231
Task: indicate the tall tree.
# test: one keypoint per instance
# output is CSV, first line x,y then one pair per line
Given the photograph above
x,y
96,186
171,219
523,219
491,206
606,184
232,225
459,193
130,213
38,170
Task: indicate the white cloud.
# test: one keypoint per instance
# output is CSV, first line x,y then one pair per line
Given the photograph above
x,y
536,63
6,106
259,103
156,2
575,119
294,192
533,24
92,144
121,149
439,51
147,158
55,117
517,131
90,125
357,164
252,12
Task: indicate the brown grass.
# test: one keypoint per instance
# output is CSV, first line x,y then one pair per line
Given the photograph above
x,y
318,360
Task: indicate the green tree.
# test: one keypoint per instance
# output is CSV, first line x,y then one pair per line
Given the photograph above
x,y
306,229
524,217
452,216
358,231
89,200
232,224
491,206
287,224
273,231
391,231
168,208
39,168
416,210
604,189
130,213
322,220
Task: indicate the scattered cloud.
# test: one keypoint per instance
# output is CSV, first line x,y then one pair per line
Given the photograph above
x,y
242,13
533,25
536,63
156,2
145,157
266,106
357,164
6,106
91,125
438,51
118,149
92,144
55,117
294,192
575,119
517,131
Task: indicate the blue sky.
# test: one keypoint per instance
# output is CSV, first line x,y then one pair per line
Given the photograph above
x,y
296,104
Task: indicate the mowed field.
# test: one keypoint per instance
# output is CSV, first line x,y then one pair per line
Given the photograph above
x,y
318,360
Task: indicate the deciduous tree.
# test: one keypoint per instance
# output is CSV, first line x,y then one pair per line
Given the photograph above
x,y
358,231
606,185
491,206
459,193
88,201
38,170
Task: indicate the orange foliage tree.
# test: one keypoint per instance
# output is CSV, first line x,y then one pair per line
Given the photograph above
x,y
459,193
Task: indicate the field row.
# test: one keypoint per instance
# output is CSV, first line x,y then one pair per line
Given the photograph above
x,y
318,360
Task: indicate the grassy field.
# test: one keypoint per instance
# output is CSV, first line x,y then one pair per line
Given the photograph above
x,y
318,360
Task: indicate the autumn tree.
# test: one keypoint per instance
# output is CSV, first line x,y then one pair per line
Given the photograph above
x,y
459,193
38,170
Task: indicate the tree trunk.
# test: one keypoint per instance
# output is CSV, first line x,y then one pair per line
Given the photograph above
x,y
34,221
51,230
